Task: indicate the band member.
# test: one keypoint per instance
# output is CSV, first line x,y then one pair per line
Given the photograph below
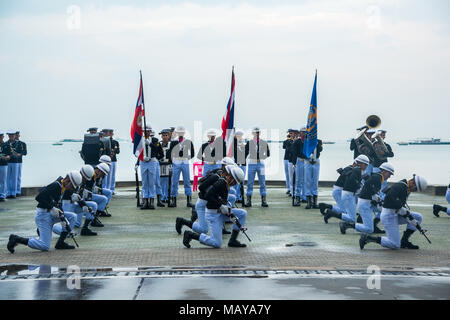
x,y
13,164
165,166
437,208
211,152
369,200
23,152
158,189
395,213
5,155
92,147
297,150
382,150
351,186
312,169
72,201
257,150
286,146
181,151
48,213
240,160
218,211
115,150
152,152
292,162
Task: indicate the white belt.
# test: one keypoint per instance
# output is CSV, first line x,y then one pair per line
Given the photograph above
x,y
344,193
180,158
254,161
361,201
337,188
154,159
66,202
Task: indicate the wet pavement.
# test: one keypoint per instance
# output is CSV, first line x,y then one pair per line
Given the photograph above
x,y
283,237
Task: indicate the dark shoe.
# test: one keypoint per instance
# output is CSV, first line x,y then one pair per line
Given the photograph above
x,y
102,213
189,202
61,244
233,242
375,227
324,206
263,202
248,204
97,223
85,231
304,201
14,241
331,214
188,236
314,204
10,197
297,202
405,244
145,204
365,239
194,215
343,225
180,222
309,202
225,231
151,205
2,200
437,208
172,202
38,233
159,202
359,218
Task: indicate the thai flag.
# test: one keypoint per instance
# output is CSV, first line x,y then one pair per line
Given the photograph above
x,y
228,120
136,125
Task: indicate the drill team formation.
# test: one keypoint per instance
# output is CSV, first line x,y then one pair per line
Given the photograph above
x,y
364,201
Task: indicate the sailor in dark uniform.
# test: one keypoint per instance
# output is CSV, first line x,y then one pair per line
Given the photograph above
x,y
297,153
369,200
257,150
286,146
437,208
13,164
115,150
218,211
93,189
181,152
92,149
211,152
23,152
5,155
351,187
292,158
165,166
312,169
48,212
395,213
241,162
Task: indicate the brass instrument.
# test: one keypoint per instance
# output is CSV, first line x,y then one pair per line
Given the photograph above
x,y
379,147
364,145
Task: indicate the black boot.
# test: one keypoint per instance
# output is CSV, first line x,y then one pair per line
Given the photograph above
x,y
61,244
159,202
366,238
144,204
297,202
329,213
304,201
375,227
14,241
225,231
233,242
180,222
172,202
97,223
102,213
189,202
405,244
263,201
437,208
344,225
324,206
151,204
249,201
314,204
188,236
359,218
194,215
85,231
309,202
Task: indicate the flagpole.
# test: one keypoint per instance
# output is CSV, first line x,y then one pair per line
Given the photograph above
x,y
143,104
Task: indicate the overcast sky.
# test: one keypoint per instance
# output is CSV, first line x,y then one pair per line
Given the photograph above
x,y
68,65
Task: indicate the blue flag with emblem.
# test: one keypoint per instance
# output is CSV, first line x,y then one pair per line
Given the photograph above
x,y
310,142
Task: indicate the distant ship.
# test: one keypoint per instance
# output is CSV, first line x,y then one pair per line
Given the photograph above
x,y
57,144
328,142
424,141
71,140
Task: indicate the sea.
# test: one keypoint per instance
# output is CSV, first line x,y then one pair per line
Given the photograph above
x,y
45,162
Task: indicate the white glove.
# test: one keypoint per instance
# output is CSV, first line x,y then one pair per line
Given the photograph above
x,y
225,209
85,194
96,189
147,142
146,158
414,222
76,197
376,198
402,211
56,213
85,209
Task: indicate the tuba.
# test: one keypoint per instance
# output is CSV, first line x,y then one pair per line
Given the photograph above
x,y
379,147
364,145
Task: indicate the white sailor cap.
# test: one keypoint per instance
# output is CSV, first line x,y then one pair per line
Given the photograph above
x,y
382,130
239,133
180,129
302,129
256,129
371,131
211,132
11,131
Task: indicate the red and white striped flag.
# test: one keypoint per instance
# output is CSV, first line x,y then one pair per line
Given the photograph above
x,y
228,120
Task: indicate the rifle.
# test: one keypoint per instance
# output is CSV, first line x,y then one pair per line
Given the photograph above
x,y
65,223
418,227
136,166
293,185
242,194
236,221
